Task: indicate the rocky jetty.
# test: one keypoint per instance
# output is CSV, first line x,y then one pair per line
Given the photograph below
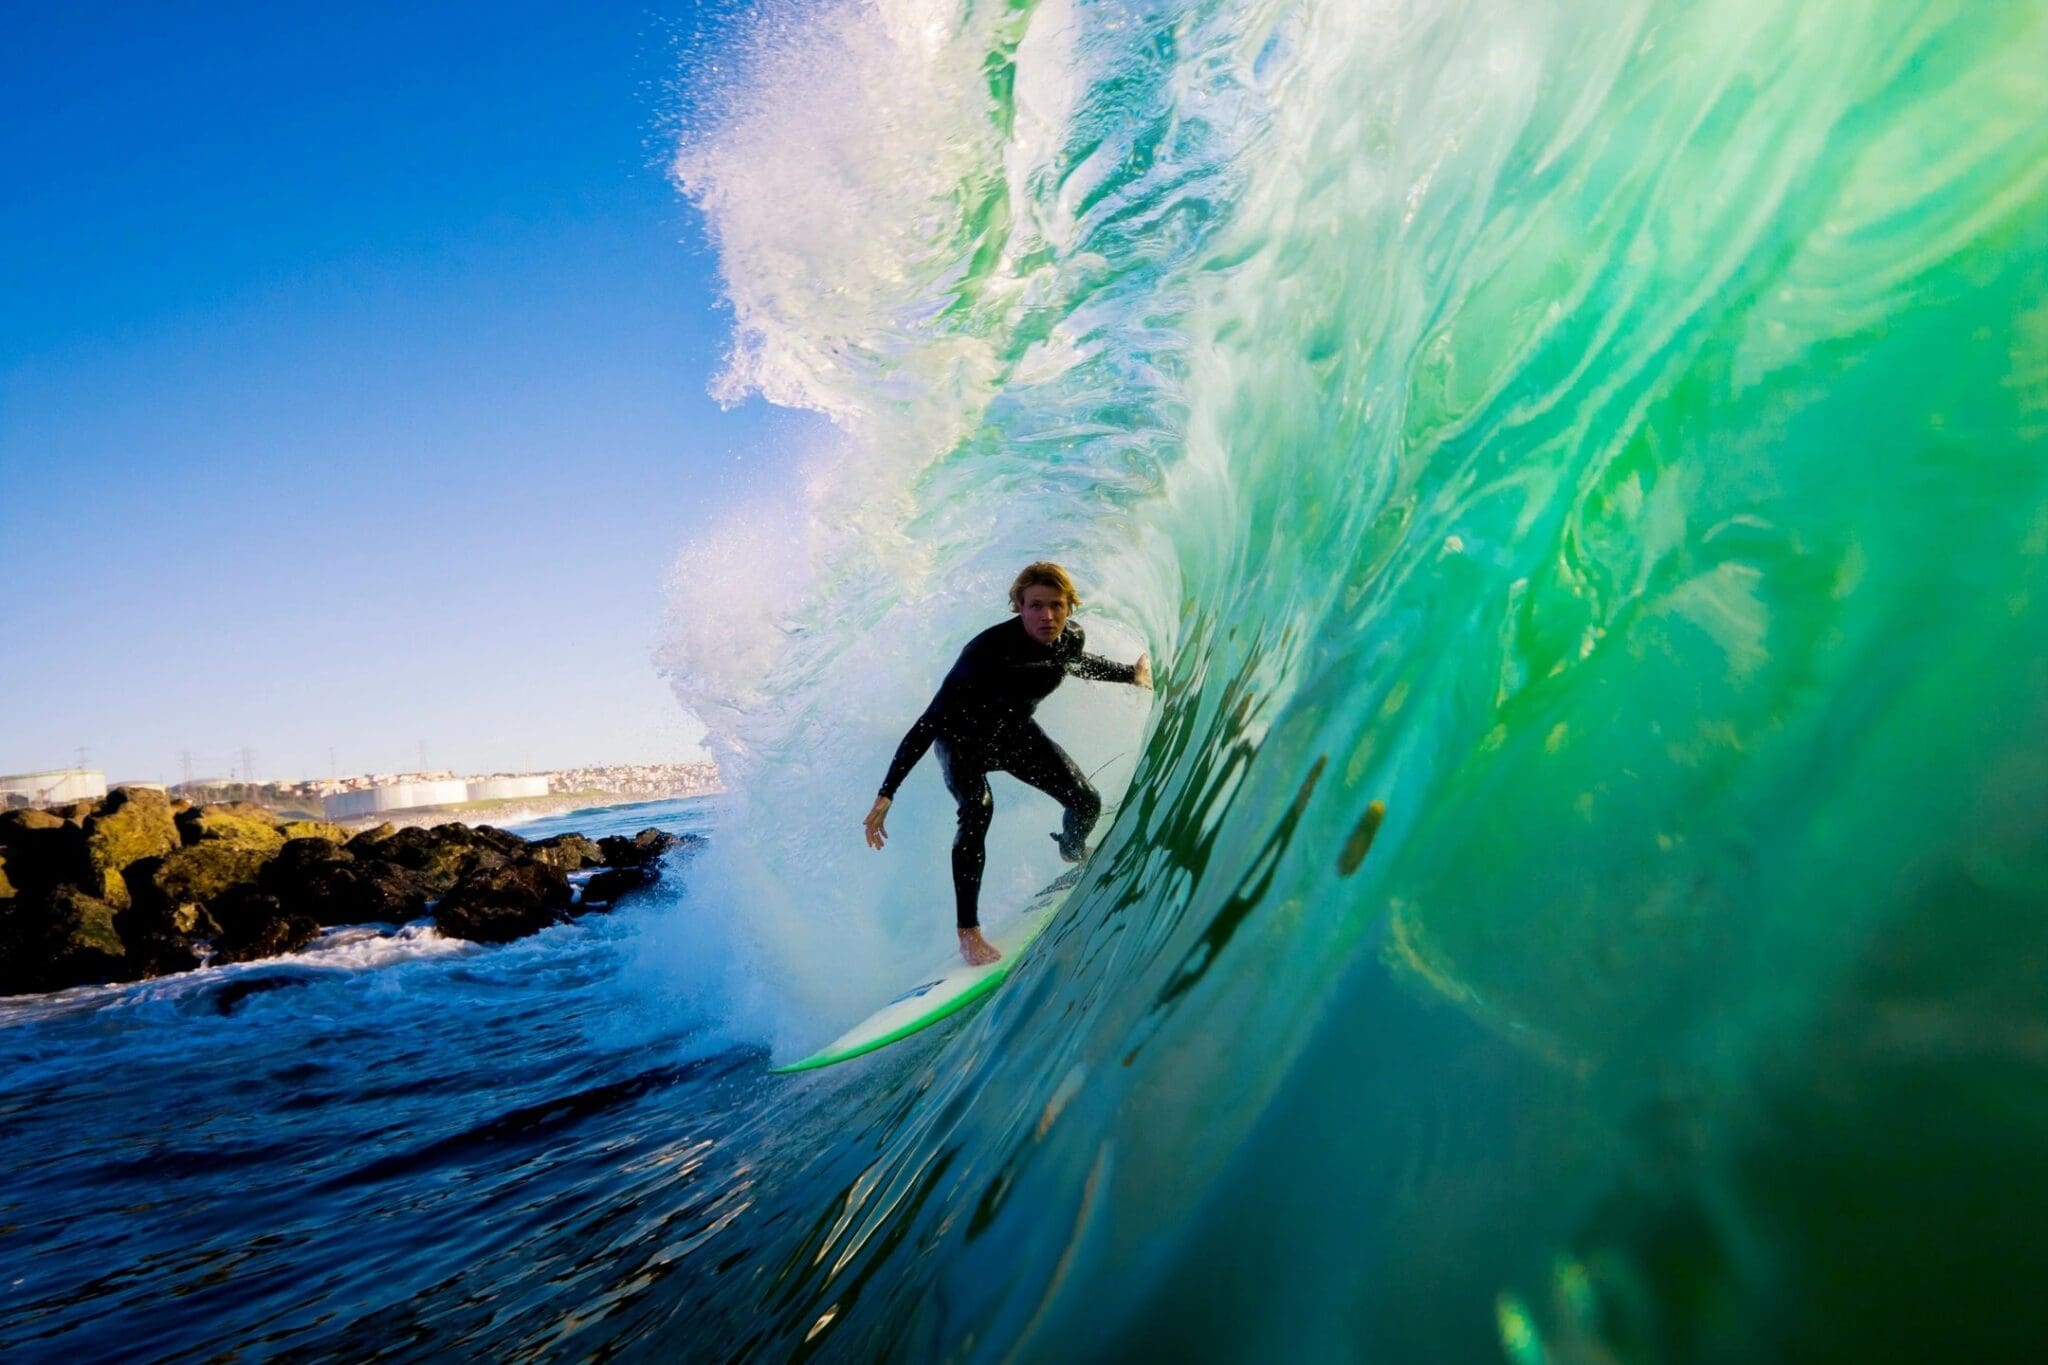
x,y
138,885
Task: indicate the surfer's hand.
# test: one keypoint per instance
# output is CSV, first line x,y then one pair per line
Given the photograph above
x,y
1141,672
877,836
977,951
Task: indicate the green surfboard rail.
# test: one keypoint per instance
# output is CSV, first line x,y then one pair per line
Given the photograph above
x,y
997,974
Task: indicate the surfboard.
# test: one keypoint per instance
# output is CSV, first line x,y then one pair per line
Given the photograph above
x,y
944,993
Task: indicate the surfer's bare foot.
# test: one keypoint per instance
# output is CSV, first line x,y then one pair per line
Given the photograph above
x,y
977,951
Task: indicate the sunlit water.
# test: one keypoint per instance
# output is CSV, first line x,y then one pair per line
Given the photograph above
x,y
1577,894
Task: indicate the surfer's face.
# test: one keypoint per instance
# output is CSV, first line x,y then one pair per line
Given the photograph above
x,y
1045,613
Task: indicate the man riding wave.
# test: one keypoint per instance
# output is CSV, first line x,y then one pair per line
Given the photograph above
x,y
981,722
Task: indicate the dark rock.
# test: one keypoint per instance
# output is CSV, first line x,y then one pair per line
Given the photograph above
x,y
357,892
230,996
133,823
295,861
406,846
639,851
157,947
570,852
6,887
233,822
609,885
271,938
255,924
450,864
76,812
319,878
499,904
441,857
59,939
365,840
44,851
503,840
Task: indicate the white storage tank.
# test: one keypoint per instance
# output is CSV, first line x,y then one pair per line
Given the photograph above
x,y
507,788
56,786
394,796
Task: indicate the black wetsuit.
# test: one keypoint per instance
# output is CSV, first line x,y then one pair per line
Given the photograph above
x,y
981,723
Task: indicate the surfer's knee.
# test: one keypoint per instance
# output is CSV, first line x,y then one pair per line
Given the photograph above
x,y
976,812
1087,802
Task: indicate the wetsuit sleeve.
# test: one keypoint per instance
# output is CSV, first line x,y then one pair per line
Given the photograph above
x,y
915,742
1107,670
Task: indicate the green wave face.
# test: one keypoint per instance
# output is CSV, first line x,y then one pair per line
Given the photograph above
x,y
1583,472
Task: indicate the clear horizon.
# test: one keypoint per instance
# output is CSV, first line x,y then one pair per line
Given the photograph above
x,y
353,389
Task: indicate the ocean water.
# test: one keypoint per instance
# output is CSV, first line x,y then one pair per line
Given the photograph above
x,y
1579,892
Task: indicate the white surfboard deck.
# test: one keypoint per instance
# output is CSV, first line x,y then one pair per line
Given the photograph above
x,y
944,993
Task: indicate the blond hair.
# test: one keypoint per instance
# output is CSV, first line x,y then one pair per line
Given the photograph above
x,y
1044,574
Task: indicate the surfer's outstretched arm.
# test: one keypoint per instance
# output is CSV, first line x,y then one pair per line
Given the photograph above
x,y
1095,666
915,742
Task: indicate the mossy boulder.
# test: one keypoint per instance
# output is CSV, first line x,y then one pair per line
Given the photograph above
x,y
442,856
76,812
313,829
57,940
109,886
6,886
570,852
236,822
44,851
130,825
497,905
202,871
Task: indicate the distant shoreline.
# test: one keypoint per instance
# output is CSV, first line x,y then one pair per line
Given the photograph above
x,y
510,810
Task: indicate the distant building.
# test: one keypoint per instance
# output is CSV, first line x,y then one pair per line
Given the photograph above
x,y
394,796
56,786
508,788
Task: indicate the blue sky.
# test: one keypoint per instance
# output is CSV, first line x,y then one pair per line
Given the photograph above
x,y
352,386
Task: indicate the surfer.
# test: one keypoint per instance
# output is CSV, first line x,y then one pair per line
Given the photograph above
x,y
980,722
